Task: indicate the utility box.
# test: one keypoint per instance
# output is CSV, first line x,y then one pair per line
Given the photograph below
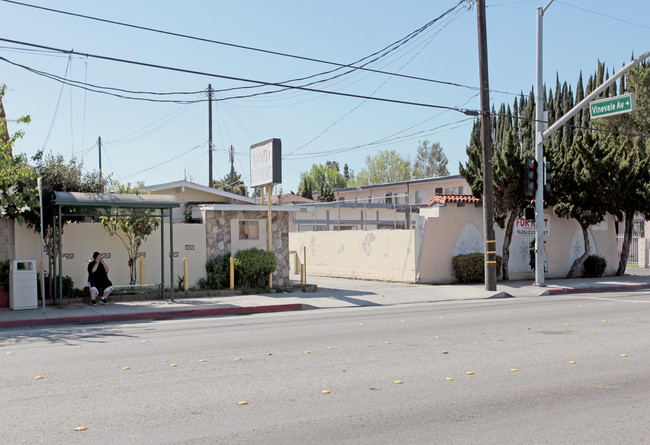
x,y
23,285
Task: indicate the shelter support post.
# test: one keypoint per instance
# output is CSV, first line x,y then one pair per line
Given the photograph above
x,y
162,254
60,268
171,253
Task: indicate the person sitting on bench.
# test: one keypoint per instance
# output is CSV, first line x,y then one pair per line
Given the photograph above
x,y
98,281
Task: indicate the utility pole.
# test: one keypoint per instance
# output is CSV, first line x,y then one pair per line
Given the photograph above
x,y
232,168
99,146
486,143
210,135
539,153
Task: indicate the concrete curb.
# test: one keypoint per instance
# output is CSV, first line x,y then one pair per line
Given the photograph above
x,y
604,288
156,315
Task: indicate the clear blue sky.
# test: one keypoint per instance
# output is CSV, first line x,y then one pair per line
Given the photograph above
x,y
162,142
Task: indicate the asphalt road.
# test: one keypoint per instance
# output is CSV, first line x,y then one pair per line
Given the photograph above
x,y
186,378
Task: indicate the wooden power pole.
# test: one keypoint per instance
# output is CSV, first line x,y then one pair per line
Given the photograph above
x,y
210,135
486,143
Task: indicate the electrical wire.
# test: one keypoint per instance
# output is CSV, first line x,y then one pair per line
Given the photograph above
x,y
56,109
604,15
249,48
164,162
371,94
239,79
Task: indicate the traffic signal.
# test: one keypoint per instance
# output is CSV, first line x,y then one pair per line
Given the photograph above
x,y
529,213
530,177
547,177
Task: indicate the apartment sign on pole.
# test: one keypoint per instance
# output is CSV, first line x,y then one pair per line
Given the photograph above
x,y
612,106
527,228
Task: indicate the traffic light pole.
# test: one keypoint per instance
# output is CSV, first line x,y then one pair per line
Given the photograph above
x,y
542,134
539,154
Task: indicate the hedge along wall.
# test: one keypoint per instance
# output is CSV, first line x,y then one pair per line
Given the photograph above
x,y
222,237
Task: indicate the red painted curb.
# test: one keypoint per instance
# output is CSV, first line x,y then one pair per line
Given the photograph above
x,y
158,315
579,290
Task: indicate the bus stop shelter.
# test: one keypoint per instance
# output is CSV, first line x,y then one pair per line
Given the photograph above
x,y
67,204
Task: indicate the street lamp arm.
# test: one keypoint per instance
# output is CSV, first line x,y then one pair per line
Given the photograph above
x,y
546,7
584,102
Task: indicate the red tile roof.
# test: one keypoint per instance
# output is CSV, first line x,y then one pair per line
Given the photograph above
x,y
443,199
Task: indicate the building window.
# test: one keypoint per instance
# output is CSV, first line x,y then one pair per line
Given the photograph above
x,y
418,197
389,198
249,230
438,190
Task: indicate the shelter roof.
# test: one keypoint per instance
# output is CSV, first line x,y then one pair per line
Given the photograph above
x,y
204,188
121,200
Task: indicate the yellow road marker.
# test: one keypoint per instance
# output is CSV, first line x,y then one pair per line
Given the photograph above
x,y
173,365
325,391
38,377
622,355
399,382
449,379
80,428
126,368
572,362
201,361
514,370
243,402
469,373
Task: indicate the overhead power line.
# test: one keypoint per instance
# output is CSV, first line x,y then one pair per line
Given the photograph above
x,y
250,48
238,79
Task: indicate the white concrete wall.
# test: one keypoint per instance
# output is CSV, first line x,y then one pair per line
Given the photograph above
x,y
81,240
391,254
563,244
375,255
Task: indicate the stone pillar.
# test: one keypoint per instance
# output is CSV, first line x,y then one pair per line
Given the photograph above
x,y
643,252
7,239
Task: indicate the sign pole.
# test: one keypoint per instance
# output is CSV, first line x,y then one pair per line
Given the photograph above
x,y
270,230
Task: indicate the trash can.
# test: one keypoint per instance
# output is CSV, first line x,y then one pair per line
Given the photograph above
x,y
23,285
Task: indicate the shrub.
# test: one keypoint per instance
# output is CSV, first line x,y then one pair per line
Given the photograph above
x,y
218,269
69,290
594,266
254,266
470,268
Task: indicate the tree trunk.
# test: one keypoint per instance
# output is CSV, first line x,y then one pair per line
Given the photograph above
x,y
132,271
627,242
575,267
506,245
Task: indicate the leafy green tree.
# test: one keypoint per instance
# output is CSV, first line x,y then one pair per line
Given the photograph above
x,y
18,194
430,161
231,183
632,153
332,165
581,179
306,187
323,179
508,171
132,230
384,167
348,173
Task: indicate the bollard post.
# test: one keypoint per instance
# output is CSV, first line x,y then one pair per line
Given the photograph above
x,y
304,257
232,273
141,270
302,274
186,276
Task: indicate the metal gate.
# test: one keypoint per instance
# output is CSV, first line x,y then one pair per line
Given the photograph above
x,y
633,257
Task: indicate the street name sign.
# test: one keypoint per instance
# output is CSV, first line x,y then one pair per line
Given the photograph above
x,y
612,106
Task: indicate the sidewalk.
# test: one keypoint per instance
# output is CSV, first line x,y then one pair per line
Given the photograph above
x,y
332,293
